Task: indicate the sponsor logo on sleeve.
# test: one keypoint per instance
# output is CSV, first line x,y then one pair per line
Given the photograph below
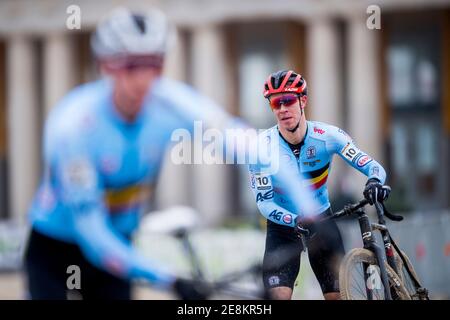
x,y
252,181
375,171
355,158
363,160
287,218
264,196
276,215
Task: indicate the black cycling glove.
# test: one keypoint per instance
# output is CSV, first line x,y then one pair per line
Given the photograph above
x,y
375,191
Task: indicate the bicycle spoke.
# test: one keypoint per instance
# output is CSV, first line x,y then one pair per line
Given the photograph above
x,y
378,294
363,290
356,281
359,286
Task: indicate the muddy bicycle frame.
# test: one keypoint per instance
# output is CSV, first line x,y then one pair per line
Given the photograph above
x,y
370,242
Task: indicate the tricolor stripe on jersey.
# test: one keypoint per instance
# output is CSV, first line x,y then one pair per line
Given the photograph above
x,y
318,177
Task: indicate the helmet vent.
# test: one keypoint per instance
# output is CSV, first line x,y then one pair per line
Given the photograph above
x,y
140,22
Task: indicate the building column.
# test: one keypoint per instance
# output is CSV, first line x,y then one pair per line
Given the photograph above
x,y
325,80
175,64
59,68
211,77
324,83
23,131
174,185
364,92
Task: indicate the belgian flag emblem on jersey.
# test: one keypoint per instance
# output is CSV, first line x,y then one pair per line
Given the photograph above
x,y
317,178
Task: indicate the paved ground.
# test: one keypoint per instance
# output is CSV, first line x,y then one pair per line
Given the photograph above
x,y
217,250
12,288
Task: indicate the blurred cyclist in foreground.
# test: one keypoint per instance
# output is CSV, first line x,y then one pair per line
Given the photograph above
x,y
103,147
309,146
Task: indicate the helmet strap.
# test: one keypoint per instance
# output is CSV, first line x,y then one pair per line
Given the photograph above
x,y
301,106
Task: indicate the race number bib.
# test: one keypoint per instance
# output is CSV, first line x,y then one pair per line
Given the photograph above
x,y
350,152
263,182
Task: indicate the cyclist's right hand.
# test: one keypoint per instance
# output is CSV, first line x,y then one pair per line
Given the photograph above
x,y
303,225
187,289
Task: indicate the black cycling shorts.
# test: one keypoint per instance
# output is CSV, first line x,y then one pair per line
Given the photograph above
x,y
281,263
46,263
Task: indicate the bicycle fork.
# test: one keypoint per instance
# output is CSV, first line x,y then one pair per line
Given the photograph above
x,y
387,245
370,244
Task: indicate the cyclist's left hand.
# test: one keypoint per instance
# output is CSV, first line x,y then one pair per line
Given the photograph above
x,y
375,191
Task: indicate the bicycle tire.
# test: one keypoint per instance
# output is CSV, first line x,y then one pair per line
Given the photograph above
x,y
361,255
407,281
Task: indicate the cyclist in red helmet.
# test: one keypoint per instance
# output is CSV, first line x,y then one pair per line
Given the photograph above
x,y
309,146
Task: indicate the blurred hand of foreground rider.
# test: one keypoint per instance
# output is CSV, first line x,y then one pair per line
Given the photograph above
x,y
187,289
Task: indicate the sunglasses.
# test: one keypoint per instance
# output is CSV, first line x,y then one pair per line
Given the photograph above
x,y
135,62
287,100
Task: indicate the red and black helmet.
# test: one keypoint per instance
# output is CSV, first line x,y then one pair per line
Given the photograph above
x,y
285,81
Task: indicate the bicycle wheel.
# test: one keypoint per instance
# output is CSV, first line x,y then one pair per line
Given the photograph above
x,y
359,278
405,276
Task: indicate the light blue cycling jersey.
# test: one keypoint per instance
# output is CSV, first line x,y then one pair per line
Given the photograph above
x,y
99,171
312,167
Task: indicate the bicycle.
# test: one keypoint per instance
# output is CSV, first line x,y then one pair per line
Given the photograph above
x,y
226,285
179,222
390,278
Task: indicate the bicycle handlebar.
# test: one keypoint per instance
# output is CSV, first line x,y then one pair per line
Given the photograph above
x,y
351,208
393,217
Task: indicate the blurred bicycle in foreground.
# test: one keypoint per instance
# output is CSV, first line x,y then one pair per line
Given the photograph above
x,y
179,223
